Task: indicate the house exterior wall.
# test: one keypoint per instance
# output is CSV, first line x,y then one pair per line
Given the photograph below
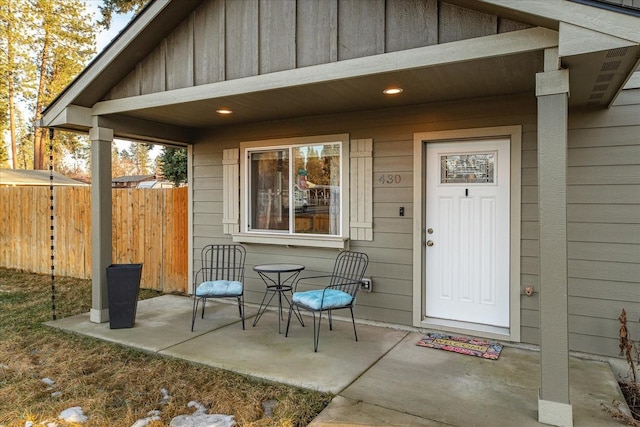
x,y
391,249
604,224
603,210
227,39
230,39
603,215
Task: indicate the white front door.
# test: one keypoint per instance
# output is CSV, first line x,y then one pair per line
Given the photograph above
x,y
467,231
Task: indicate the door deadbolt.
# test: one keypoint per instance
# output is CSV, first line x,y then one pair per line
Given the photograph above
x,y
429,242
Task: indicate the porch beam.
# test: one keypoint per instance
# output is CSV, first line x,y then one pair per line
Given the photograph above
x,y
552,91
101,242
80,119
136,129
515,42
139,38
73,117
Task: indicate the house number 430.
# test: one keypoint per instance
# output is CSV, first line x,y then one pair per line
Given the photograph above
x,y
389,179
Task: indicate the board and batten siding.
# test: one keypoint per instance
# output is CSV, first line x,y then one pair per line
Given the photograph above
x,y
232,39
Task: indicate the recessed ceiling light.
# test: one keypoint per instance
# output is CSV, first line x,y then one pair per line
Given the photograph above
x,y
224,111
392,91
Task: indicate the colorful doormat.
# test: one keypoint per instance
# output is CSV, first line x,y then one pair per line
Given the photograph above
x,y
462,345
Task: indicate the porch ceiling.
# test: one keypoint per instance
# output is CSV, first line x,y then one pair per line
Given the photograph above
x,y
473,79
593,83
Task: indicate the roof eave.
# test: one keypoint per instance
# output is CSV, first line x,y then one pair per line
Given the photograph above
x,y
550,13
131,45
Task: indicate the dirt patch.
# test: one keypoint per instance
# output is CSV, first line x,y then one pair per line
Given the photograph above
x,y
631,389
631,393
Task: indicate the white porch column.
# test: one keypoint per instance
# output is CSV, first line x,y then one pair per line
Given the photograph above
x,y
552,90
101,244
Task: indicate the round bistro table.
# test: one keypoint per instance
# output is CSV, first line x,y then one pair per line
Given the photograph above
x,y
278,279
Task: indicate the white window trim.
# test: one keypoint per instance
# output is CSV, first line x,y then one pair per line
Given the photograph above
x,y
274,238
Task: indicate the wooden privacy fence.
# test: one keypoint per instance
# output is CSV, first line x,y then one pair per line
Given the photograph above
x,y
149,227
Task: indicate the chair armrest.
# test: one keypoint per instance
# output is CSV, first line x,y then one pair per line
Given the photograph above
x,y
199,277
344,283
349,286
196,282
311,278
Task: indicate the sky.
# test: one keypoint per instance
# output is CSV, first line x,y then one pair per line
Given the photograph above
x,y
117,24
102,40
104,37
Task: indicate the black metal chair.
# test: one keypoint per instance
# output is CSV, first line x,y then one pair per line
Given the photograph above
x,y
339,292
221,276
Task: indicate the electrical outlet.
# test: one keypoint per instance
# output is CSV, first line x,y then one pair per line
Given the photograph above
x,y
366,285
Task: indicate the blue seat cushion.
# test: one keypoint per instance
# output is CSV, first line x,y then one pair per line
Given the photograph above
x,y
333,298
219,288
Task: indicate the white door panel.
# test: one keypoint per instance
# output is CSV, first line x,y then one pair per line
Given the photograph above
x,y
467,219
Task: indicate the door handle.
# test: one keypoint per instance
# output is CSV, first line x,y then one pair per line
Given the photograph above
x,y
429,243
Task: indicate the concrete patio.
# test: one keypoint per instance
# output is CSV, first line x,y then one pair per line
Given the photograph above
x,y
383,379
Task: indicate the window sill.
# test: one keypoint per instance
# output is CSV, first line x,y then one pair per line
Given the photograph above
x,y
311,241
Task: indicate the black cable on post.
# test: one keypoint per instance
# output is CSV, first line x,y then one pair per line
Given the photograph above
x,y
53,277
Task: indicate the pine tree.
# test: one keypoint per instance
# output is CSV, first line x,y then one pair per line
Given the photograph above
x,y
63,42
140,158
173,162
314,167
16,68
73,154
119,7
117,167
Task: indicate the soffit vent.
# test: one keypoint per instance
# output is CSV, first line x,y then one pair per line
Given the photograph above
x,y
614,53
600,88
596,96
604,78
610,66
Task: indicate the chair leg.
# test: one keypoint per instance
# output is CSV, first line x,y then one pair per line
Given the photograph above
x,y
353,320
195,311
316,331
204,302
241,309
286,333
330,321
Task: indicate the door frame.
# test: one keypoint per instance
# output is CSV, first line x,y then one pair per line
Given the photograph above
x,y
420,140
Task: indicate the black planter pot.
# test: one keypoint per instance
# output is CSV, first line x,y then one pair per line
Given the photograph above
x,y
123,286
